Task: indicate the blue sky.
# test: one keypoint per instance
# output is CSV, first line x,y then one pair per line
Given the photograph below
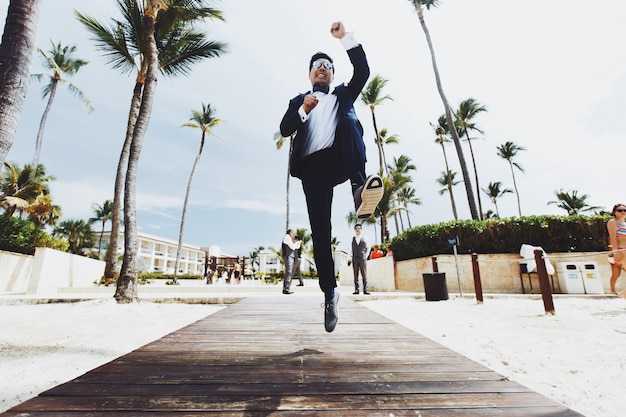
x,y
553,79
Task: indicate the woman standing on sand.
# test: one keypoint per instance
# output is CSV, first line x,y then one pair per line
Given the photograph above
x,y
617,241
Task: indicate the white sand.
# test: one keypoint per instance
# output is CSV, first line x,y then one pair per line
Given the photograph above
x,y
575,357
42,346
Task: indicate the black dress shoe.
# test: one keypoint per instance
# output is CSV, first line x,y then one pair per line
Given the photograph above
x,y
355,293
300,285
366,293
287,292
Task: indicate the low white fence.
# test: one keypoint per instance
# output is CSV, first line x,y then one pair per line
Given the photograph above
x,y
46,271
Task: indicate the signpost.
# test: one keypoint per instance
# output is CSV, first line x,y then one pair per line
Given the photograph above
x,y
454,241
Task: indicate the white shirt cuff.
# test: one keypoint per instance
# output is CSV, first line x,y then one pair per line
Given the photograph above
x,y
303,116
349,41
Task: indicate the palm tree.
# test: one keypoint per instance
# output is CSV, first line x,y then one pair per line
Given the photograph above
x,y
386,140
371,96
280,141
508,151
571,202
60,59
448,180
494,191
418,5
42,212
78,234
467,111
203,120
406,196
20,187
103,214
179,46
254,257
16,57
442,133
400,175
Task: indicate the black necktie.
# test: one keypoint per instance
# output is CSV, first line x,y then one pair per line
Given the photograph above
x,y
322,88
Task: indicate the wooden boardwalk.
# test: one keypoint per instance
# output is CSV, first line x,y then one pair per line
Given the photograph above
x,y
270,356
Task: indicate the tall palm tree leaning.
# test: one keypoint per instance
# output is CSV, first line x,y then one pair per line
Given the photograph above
x,y
418,5
203,120
102,214
468,109
60,59
16,58
280,141
372,97
494,191
180,47
126,291
508,151
441,130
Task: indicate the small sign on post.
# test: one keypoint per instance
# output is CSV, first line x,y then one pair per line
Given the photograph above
x,y
454,241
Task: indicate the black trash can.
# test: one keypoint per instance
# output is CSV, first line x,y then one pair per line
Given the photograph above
x,y
435,286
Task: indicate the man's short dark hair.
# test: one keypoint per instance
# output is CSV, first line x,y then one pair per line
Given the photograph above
x,y
319,55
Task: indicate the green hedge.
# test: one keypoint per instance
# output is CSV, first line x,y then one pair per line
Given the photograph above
x,y
577,233
22,236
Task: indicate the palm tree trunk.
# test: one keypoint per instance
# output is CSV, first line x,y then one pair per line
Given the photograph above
x,y
408,218
291,138
445,158
100,240
519,206
455,137
480,205
122,166
378,144
184,216
42,123
16,57
127,283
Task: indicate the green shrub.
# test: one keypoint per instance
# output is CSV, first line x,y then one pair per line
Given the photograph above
x,y
22,236
577,233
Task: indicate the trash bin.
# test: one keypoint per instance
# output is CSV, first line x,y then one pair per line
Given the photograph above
x,y
435,286
570,278
591,278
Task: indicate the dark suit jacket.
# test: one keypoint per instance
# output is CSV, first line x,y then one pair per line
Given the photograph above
x,y
346,96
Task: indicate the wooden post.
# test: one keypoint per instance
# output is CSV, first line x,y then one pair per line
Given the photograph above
x,y
478,286
544,283
435,266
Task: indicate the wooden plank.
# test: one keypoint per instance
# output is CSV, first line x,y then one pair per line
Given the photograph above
x,y
271,355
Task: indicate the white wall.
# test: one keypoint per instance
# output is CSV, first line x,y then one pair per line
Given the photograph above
x,y
47,271
15,271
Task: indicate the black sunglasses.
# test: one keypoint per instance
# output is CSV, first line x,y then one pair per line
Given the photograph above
x,y
327,64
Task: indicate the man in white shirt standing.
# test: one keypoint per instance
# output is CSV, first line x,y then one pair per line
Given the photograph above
x,y
289,248
328,149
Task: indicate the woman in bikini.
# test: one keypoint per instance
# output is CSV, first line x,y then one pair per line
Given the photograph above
x,y
617,241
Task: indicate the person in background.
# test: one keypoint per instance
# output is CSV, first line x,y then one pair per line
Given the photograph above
x,y
237,272
376,252
360,248
297,273
288,250
616,228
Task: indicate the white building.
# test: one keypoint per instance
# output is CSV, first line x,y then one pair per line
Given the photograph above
x,y
157,254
